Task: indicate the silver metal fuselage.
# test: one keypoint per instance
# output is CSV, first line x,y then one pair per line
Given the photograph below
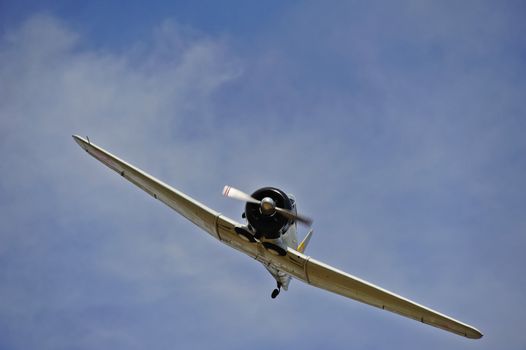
x,y
289,239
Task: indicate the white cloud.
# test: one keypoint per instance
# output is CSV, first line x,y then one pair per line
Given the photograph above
x,y
54,195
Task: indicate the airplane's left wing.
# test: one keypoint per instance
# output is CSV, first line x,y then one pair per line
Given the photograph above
x,y
191,209
217,225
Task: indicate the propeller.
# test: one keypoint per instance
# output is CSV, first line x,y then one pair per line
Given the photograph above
x,y
267,205
234,193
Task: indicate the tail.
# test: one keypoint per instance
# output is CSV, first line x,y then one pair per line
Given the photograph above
x,y
303,245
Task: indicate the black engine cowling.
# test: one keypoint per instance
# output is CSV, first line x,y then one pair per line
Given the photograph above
x,y
269,226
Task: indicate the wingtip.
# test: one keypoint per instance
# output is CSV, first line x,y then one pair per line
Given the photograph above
x,y
474,333
478,334
80,141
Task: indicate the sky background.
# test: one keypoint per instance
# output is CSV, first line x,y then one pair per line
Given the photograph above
x,y
399,126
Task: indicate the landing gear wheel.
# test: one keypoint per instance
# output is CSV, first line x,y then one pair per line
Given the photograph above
x,y
244,234
276,291
274,249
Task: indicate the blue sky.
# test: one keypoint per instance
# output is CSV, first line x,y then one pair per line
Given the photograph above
x,y
398,127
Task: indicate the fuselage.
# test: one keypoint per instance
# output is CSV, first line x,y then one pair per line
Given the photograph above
x,y
271,227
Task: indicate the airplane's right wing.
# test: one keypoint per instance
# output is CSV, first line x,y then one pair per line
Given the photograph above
x,y
329,278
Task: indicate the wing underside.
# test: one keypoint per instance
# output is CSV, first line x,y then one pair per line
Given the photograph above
x,y
217,225
294,263
329,278
191,209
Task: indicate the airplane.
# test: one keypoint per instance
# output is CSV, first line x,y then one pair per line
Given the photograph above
x,y
270,237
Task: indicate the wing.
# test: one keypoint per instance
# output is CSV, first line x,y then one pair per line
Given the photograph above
x,y
329,278
217,225
191,209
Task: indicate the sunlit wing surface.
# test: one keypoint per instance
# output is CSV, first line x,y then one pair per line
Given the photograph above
x,y
217,225
294,263
329,278
191,209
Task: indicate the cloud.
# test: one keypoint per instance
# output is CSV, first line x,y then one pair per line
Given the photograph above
x,y
83,261
52,236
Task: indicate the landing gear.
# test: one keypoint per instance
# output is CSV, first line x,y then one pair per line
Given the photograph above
x,y
274,249
276,291
244,234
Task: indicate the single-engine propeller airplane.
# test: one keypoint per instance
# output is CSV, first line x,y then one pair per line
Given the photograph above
x,y
269,236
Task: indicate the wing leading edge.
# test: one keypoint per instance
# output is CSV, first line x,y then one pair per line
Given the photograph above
x,y
294,263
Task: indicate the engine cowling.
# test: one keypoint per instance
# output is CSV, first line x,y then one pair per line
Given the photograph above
x,y
268,225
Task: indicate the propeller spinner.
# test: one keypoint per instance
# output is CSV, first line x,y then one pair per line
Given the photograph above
x,y
267,205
